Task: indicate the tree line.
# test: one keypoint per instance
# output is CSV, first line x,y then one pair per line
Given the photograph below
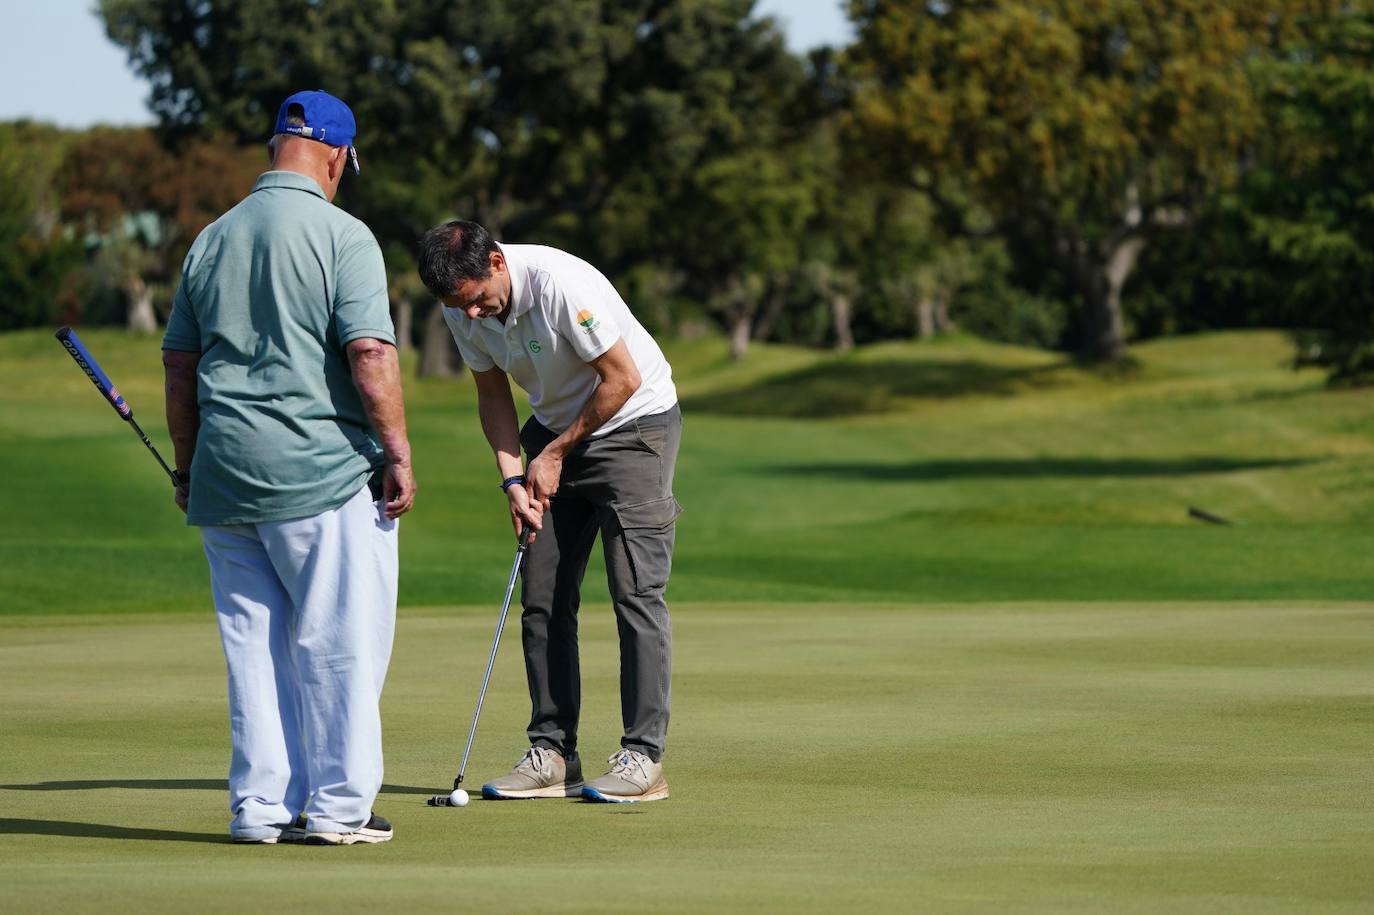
x,y
1057,173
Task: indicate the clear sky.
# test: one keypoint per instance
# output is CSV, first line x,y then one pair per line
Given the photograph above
x,y
809,23
57,65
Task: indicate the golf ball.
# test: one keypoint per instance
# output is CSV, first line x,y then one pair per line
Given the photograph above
x,y
459,798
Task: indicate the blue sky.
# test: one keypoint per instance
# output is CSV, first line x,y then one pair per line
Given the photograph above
x,y
57,65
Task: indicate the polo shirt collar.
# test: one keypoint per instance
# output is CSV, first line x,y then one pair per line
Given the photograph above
x,y
520,298
293,180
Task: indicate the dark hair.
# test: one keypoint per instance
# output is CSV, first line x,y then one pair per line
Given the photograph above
x,y
453,252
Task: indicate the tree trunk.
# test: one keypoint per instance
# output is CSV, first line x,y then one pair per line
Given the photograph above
x,y
141,319
403,316
943,323
841,312
439,356
740,325
1106,336
1106,339
925,317
777,299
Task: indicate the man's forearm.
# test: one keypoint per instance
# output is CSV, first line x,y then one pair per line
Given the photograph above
x,y
604,403
377,376
183,410
501,426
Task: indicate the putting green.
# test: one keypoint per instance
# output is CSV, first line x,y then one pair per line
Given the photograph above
x,y
1030,757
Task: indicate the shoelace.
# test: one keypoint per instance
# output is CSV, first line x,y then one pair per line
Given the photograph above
x,y
534,758
625,761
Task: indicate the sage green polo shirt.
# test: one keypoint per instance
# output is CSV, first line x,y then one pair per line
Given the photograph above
x,y
270,294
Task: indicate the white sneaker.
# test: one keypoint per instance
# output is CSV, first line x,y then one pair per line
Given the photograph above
x,y
372,832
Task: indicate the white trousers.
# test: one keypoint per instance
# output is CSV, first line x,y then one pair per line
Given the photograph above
x,y
307,611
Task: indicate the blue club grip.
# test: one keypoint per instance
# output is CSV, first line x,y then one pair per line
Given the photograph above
x,y
77,350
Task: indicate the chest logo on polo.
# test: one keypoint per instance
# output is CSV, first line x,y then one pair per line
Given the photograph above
x,y
535,347
588,320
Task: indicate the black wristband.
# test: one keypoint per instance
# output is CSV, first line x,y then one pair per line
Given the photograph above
x,y
508,482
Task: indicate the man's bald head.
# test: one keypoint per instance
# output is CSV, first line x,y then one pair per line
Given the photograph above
x,y
324,164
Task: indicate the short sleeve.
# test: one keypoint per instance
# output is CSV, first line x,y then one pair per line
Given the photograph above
x,y
183,330
361,306
582,320
474,358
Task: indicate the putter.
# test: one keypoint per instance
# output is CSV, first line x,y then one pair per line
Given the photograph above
x,y
77,350
441,800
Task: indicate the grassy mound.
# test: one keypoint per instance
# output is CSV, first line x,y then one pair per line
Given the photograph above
x,y
953,471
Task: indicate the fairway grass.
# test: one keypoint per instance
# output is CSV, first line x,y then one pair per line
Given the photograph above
x,y
946,639
950,471
1126,757
956,470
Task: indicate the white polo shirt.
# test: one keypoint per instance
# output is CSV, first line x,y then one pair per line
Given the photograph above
x,y
563,314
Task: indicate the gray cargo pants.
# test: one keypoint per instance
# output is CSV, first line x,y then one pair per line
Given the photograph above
x,y
622,486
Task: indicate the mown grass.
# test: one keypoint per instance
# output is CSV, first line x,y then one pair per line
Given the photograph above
x,y
845,757
955,471
946,639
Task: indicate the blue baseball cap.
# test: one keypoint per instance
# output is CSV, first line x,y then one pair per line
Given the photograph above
x,y
327,119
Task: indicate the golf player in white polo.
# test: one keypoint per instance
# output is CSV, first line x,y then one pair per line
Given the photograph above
x,y
284,406
602,448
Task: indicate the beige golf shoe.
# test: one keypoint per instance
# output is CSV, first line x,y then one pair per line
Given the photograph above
x,y
541,772
633,777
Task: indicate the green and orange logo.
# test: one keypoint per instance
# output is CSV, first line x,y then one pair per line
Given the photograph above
x,y
587,320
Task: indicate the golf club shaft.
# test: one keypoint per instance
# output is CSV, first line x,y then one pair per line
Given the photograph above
x,y
176,477
495,644
77,350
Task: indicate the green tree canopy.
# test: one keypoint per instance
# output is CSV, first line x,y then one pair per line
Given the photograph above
x,y
35,254
614,128
1309,202
1084,128
532,114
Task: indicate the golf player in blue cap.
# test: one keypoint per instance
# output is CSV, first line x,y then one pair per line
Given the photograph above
x,y
285,410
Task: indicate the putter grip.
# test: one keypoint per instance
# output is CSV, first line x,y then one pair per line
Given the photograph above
x,y
77,350
525,533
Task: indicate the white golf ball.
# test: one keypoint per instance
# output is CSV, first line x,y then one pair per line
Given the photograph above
x,y
459,798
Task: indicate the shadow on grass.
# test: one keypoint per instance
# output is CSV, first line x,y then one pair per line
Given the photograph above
x,y
410,789
1030,468
167,784
22,827
844,387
